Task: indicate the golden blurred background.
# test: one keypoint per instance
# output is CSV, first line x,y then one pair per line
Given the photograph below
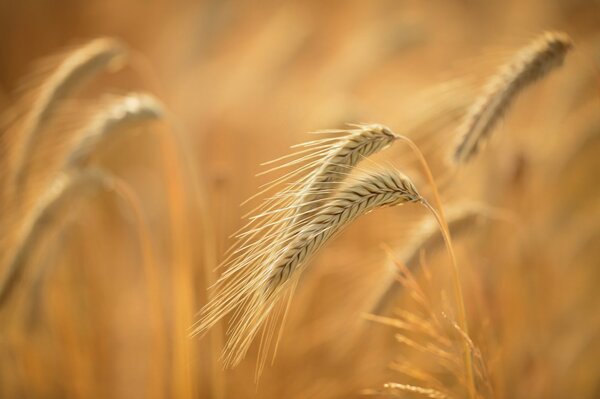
x,y
241,82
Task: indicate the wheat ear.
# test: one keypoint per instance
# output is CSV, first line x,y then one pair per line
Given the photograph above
x,y
78,66
122,112
56,202
530,64
256,293
317,169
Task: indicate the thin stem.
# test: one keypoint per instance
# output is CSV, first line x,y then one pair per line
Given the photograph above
x,y
441,219
458,297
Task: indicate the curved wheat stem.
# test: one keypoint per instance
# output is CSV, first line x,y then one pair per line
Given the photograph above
x,y
260,284
80,65
458,298
530,64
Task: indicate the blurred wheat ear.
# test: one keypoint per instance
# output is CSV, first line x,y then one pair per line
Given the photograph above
x,y
119,113
73,177
79,66
530,64
63,194
67,178
428,238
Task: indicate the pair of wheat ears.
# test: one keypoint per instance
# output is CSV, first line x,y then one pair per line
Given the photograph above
x,y
320,196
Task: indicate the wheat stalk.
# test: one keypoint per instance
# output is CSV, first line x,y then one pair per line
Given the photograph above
x,y
530,64
261,283
78,66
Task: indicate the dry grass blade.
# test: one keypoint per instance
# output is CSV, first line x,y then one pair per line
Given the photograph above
x,y
59,199
530,64
260,283
78,66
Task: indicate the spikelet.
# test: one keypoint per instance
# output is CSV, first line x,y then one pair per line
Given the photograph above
x,y
261,283
530,64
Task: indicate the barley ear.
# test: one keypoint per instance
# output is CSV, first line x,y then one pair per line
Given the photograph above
x,y
260,285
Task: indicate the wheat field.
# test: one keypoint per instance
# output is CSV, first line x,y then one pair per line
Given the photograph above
x,y
299,199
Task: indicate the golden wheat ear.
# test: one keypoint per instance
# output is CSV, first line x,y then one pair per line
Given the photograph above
x,y
77,67
317,171
255,294
119,113
544,54
68,190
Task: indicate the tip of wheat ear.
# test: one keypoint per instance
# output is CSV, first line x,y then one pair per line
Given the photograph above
x,y
545,53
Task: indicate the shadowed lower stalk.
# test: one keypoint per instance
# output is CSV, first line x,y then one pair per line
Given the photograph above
x,y
458,297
